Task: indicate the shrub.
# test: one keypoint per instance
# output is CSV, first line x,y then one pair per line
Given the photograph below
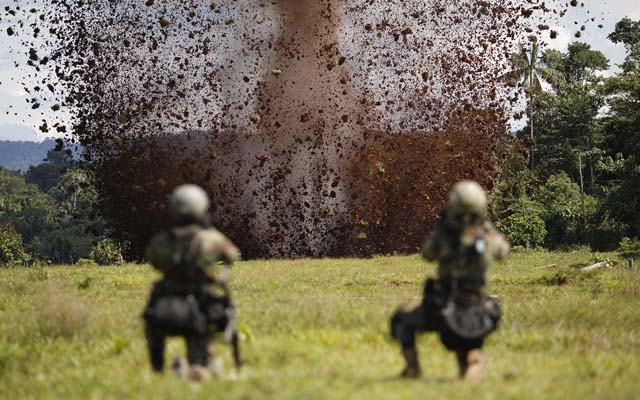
x,y
11,249
563,210
527,231
524,226
86,262
106,252
630,250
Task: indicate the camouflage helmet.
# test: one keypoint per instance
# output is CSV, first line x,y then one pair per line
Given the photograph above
x,y
467,197
188,203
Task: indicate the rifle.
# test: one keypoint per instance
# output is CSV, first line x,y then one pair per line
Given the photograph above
x,y
231,335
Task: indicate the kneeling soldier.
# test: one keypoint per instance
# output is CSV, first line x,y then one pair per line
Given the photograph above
x,y
192,299
456,305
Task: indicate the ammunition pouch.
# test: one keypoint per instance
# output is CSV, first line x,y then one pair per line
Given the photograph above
x,y
471,315
461,314
219,312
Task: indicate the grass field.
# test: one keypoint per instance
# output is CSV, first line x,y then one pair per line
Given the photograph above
x,y
317,329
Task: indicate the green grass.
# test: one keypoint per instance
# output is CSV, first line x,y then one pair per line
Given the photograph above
x,y
318,329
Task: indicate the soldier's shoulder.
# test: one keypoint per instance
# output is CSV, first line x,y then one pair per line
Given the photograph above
x,y
210,236
211,240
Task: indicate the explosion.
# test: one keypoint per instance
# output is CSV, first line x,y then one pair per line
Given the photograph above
x,y
318,127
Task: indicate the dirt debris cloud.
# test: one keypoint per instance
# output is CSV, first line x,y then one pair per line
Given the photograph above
x,y
305,120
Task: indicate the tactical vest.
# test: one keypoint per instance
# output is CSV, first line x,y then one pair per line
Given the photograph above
x,y
183,267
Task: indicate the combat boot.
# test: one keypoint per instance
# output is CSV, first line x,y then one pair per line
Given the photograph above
x,y
181,368
199,373
187,372
472,365
412,370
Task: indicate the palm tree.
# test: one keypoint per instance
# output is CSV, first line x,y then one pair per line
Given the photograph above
x,y
531,68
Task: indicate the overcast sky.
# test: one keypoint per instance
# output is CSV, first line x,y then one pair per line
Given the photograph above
x,y
18,122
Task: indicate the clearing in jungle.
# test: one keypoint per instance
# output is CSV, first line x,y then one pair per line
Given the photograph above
x,y
318,329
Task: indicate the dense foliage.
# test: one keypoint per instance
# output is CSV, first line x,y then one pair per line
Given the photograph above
x,y
49,214
11,250
630,250
585,184
106,252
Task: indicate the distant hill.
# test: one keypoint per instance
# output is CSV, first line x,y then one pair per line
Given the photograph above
x,y
19,155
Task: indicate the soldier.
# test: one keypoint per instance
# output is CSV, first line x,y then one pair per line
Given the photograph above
x,y
192,299
456,305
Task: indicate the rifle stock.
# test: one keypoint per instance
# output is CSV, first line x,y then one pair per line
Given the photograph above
x,y
235,344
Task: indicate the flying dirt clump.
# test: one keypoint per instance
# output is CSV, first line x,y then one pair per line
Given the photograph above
x,y
278,109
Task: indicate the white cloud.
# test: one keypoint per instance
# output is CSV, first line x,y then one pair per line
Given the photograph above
x,y
17,91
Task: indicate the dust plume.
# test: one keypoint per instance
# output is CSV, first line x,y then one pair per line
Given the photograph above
x,y
318,128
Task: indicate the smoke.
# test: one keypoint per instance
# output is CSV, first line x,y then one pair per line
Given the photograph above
x,y
279,109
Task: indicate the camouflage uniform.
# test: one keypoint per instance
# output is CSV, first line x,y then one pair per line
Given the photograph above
x,y
192,299
464,244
